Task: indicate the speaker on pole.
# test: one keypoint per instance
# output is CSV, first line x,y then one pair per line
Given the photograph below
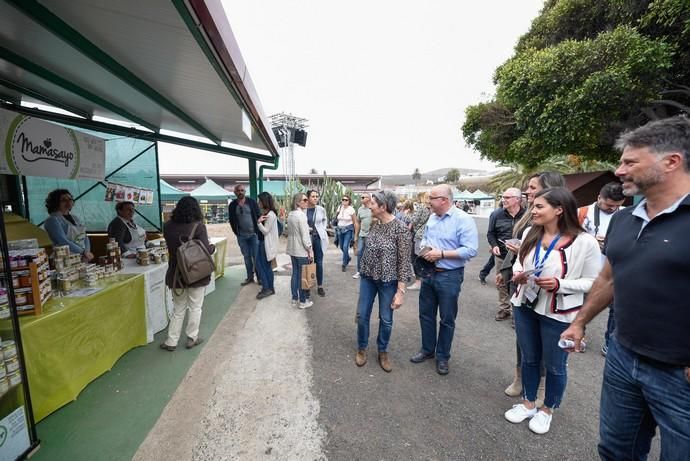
x,y
301,137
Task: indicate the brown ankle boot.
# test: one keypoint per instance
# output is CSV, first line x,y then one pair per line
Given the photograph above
x,y
385,362
361,357
515,388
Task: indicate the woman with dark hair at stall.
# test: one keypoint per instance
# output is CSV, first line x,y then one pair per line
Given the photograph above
x,y
268,243
63,227
556,266
128,234
187,219
384,270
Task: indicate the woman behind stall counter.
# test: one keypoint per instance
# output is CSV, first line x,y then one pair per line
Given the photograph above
x,y
128,234
63,227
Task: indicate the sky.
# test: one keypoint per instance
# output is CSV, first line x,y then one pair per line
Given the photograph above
x,y
384,84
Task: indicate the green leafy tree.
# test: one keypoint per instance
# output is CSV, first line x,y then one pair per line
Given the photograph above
x,y
585,71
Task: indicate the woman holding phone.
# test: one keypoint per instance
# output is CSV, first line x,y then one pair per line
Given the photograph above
x,y
556,266
535,184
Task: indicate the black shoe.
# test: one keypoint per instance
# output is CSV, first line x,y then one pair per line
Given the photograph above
x,y
247,282
420,356
344,268
265,293
482,279
442,367
321,292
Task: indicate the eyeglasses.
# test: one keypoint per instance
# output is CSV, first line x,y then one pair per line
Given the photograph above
x,y
305,199
431,197
345,200
506,197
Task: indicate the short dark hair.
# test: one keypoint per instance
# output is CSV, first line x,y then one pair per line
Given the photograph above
x,y
53,199
661,137
612,191
121,205
187,210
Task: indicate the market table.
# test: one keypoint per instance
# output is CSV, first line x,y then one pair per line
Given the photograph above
x,y
221,244
77,339
158,297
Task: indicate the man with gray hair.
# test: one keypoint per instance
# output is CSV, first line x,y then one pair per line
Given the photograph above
x,y
450,240
646,274
501,223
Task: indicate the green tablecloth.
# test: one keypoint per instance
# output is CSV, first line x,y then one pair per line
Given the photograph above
x,y
76,340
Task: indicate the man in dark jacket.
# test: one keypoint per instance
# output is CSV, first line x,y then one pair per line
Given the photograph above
x,y
243,214
501,224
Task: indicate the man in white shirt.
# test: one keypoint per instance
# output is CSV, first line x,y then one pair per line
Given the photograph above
x,y
595,219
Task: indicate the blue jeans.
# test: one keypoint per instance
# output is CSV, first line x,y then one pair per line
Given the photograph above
x,y
249,246
439,293
538,337
361,243
636,396
368,289
344,240
264,269
318,259
296,279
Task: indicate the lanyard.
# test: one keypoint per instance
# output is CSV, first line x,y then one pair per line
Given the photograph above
x,y
539,265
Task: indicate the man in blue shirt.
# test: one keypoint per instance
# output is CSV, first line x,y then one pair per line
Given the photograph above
x,y
450,240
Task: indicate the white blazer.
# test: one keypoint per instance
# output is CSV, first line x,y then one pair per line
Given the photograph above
x,y
270,230
320,223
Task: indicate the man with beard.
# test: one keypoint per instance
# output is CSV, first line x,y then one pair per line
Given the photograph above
x,y
647,374
595,219
243,214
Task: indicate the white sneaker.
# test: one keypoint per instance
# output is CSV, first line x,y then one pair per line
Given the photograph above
x,y
356,276
305,304
541,423
519,413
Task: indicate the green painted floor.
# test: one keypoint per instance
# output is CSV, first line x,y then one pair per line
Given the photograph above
x,y
115,413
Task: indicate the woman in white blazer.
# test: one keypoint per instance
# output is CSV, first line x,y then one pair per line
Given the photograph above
x,y
556,266
268,243
317,220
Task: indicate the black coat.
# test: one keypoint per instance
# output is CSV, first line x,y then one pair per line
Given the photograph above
x,y
232,216
175,234
501,227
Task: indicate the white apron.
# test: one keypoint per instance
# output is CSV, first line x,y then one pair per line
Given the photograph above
x,y
138,234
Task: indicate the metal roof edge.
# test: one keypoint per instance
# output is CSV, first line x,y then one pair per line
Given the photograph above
x,y
213,19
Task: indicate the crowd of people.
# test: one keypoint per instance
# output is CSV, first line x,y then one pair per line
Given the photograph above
x,y
557,267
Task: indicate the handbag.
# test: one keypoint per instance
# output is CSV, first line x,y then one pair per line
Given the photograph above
x,y
308,276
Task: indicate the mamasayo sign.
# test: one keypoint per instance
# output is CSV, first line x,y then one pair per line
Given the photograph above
x,y
34,147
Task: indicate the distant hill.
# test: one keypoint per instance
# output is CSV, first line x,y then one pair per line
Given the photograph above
x,y
403,179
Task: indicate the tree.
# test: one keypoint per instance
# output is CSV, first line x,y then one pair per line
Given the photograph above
x,y
313,171
416,175
585,71
453,175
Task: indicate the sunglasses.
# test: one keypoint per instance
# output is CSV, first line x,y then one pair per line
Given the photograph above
x,y
305,199
345,200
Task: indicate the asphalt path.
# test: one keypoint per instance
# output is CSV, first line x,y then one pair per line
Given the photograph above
x,y
414,413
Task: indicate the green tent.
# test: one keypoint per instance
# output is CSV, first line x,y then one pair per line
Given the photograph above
x,y
211,191
169,193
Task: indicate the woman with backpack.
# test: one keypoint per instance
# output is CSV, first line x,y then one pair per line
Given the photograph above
x,y
185,223
268,243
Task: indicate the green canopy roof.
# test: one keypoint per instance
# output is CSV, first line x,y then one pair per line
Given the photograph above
x,y
169,193
211,191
